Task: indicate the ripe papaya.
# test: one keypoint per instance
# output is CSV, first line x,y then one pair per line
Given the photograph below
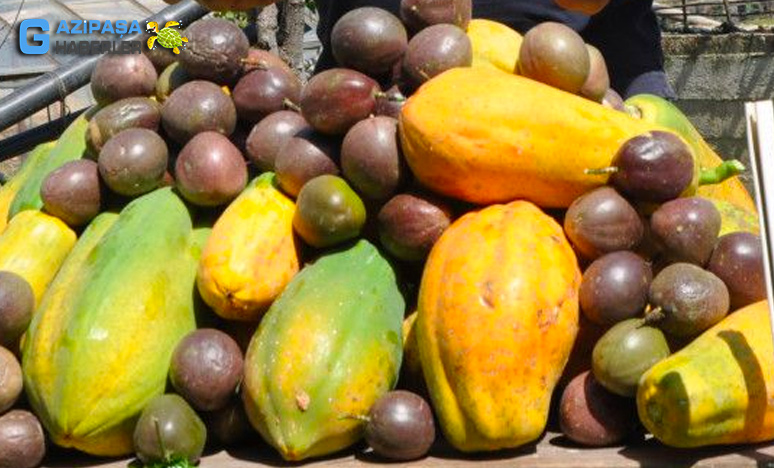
x,y
71,145
326,350
251,254
485,136
34,245
495,45
659,111
718,390
498,315
8,192
99,347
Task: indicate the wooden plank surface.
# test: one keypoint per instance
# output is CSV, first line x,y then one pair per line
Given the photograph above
x,y
553,451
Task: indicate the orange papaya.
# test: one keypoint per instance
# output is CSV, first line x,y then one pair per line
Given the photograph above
x,y
497,318
485,136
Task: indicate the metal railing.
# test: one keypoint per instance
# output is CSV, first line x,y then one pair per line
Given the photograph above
x,y
715,15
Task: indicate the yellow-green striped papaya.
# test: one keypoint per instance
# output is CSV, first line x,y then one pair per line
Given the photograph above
x,y
99,347
326,350
719,390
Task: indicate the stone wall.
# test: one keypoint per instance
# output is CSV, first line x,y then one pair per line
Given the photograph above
x,y
714,75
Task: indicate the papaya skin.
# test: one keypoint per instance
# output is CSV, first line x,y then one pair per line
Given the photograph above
x,y
327,349
495,45
70,146
8,191
719,390
34,245
129,300
251,254
497,318
485,136
659,111
734,219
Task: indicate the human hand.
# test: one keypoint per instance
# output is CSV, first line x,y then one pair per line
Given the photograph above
x,y
588,7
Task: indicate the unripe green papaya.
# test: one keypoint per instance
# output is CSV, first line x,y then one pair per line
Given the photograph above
x,y
326,350
70,146
8,192
99,347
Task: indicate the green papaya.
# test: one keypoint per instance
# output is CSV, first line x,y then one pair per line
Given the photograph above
x,y
70,146
326,350
655,109
8,192
719,390
99,347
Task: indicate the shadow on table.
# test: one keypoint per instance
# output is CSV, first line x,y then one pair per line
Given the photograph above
x,y
57,457
256,451
443,451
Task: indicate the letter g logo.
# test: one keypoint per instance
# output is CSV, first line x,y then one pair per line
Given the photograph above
x,y
42,39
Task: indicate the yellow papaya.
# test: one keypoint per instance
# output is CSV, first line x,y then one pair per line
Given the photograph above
x,y
495,45
718,390
11,188
497,318
251,254
485,136
99,347
34,245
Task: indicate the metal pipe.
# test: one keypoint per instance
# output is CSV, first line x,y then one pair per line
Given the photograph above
x,y
28,139
57,84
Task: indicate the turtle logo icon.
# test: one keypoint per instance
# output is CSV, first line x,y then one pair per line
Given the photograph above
x,y
168,38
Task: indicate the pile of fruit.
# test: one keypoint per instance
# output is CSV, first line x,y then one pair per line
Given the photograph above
x,y
454,228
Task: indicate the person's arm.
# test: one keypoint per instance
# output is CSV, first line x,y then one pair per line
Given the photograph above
x,y
587,7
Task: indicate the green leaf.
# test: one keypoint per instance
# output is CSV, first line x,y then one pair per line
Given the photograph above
x,y
177,462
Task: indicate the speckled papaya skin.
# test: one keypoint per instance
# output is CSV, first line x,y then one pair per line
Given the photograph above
x,y
485,136
99,347
326,350
718,390
498,316
251,254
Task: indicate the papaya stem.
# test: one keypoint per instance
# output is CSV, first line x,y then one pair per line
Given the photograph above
x,y
722,172
633,111
291,105
359,417
601,171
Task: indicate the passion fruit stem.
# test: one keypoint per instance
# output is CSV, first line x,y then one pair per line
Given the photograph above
x,y
257,63
389,97
291,105
722,172
157,426
601,171
653,316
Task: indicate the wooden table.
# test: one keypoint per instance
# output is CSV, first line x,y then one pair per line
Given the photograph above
x,y
552,451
